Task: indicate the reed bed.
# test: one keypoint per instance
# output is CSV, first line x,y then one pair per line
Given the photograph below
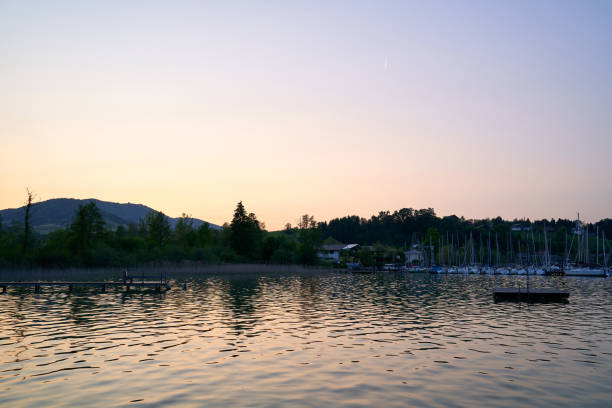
x,y
171,271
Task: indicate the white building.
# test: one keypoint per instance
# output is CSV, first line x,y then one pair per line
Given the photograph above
x,y
414,256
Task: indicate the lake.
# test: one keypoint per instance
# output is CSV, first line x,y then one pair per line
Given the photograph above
x,y
309,340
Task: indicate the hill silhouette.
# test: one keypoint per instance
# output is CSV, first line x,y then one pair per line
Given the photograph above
x,y
56,213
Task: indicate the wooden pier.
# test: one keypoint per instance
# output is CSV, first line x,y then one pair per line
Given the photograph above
x,y
526,294
139,281
37,285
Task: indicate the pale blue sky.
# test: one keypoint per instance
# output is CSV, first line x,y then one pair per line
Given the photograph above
x,y
331,108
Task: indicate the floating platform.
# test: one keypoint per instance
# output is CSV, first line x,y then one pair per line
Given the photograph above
x,y
596,273
524,294
362,270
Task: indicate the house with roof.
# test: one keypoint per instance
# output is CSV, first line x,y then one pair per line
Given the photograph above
x,y
333,252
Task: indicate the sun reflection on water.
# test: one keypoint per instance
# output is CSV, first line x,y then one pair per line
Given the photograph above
x,y
317,340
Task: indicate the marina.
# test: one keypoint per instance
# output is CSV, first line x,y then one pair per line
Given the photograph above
x,y
524,249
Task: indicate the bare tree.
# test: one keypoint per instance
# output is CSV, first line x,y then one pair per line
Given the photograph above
x,y
26,225
306,222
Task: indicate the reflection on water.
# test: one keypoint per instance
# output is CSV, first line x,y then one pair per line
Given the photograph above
x,y
323,340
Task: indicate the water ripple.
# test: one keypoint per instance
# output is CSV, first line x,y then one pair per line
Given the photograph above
x,y
317,340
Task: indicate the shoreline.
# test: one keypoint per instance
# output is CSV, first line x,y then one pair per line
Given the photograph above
x,y
172,271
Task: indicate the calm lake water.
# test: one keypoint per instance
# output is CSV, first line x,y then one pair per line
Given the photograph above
x,y
315,340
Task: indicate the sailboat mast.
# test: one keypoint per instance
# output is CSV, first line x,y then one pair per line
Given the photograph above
x,y
605,261
448,250
519,252
565,250
452,245
579,245
542,261
597,245
465,249
508,249
526,236
546,256
535,255
569,251
586,246
489,249
431,247
472,248
497,247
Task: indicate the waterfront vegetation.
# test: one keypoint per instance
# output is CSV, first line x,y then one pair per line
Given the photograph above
x,y
90,242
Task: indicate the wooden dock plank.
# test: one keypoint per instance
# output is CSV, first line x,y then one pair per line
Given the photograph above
x,y
157,282
102,284
51,283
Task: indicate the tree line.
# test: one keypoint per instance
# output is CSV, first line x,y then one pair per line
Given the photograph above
x,y
90,242
457,237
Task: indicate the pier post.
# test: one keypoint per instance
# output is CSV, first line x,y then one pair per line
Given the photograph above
x,y
127,288
69,288
103,287
36,288
185,286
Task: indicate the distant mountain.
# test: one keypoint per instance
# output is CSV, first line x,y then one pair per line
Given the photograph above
x,y
49,215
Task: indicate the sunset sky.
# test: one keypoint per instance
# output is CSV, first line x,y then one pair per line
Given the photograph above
x,y
474,108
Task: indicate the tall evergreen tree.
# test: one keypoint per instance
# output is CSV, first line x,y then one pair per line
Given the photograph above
x,y
246,233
